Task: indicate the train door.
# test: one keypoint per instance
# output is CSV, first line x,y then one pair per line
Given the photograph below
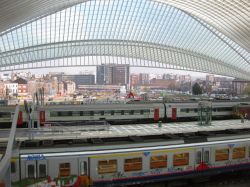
x,y
36,169
83,166
30,169
42,117
156,114
202,158
174,113
41,168
84,172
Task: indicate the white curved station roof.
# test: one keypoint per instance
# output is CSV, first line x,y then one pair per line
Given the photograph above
x,y
207,36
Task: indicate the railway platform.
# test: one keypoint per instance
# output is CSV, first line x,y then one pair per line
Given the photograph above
x,y
80,132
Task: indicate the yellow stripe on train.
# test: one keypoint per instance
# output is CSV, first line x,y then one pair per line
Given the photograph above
x,y
140,153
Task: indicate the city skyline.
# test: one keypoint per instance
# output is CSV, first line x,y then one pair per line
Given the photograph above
x,y
92,70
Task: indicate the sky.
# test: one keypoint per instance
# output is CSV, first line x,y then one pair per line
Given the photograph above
x,y
121,20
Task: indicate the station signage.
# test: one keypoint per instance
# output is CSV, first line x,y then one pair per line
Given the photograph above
x,y
35,157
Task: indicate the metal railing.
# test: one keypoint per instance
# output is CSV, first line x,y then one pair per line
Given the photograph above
x,y
5,162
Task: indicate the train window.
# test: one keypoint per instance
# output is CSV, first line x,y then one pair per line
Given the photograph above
x,y
65,113
118,112
221,154
91,113
31,171
75,113
122,112
42,170
13,167
107,166
131,112
214,109
133,164
126,112
5,115
181,159
83,168
239,152
183,110
107,112
53,114
137,112
186,110
64,169
225,109
146,112
158,161
142,112
86,113
206,156
81,113
196,110
98,113
112,112
198,157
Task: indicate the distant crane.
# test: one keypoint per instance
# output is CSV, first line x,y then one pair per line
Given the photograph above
x,y
132,96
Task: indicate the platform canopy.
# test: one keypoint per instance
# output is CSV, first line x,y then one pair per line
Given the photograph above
x,y
207,36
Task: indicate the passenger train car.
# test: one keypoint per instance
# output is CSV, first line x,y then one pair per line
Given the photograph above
x,y
125,113
131,163
117,113
6,116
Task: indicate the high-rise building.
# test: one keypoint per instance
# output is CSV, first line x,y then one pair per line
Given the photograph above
x,y
54,83
69,87
120,75
2,90
143,78
112,74
78,79
167,76
210,78
184,78
31,87
11,88
108,74
22,86
100,75
134,80
239,86
60,88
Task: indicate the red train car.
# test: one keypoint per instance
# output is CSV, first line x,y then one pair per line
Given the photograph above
x,y
244,110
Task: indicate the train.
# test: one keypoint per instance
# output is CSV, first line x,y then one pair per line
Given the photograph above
x,y
133,113
119,163
119,113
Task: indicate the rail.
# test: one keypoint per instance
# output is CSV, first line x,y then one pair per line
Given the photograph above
x,y
5,162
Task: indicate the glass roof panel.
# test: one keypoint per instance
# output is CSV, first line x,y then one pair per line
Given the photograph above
x,y
142,21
